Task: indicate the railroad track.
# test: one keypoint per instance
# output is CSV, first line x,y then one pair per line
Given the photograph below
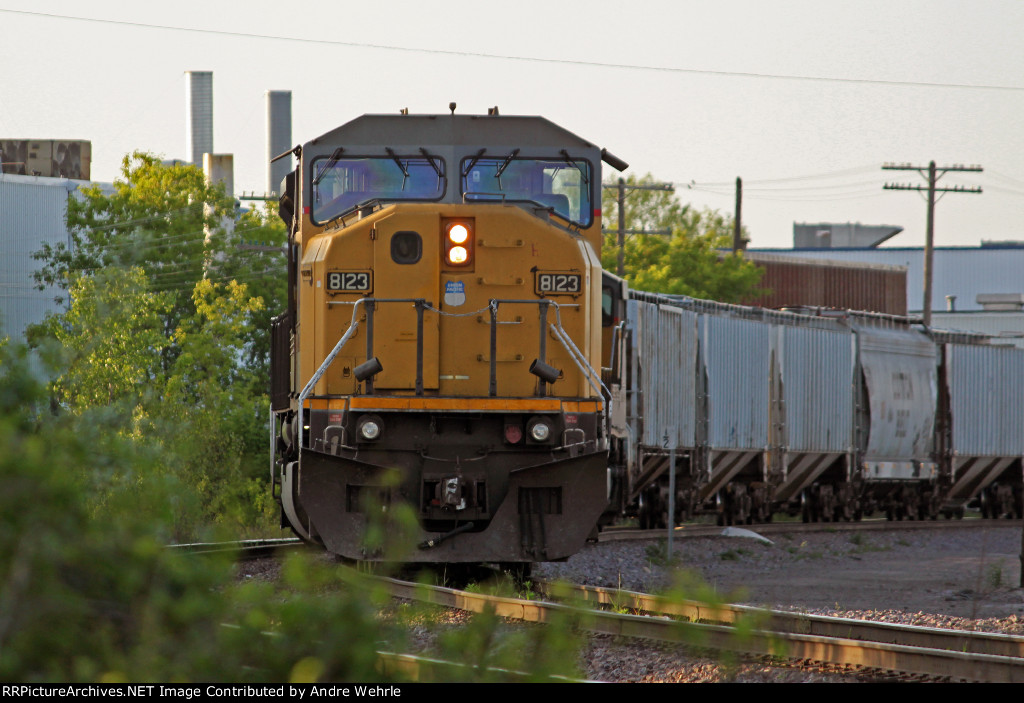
x,y
869,648
857,645
614,534
242,550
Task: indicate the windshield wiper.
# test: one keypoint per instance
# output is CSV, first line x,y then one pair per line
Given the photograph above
x,y
401,167
329,165
472,162
437,169
504,165
569,160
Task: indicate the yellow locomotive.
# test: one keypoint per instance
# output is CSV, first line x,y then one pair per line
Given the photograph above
x,y
442,343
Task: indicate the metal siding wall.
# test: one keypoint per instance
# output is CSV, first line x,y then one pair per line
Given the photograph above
x,y
961,271
1011,410
817,373
843,287
736,355
987,400
31,213
668,358
990,323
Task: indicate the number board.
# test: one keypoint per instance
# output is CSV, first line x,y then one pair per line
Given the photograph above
x,y
350,281
558,283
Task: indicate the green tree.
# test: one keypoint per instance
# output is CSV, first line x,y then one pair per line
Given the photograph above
x,y
256,257
166,220
211,416
91,593
157,217
689,261
113,335
167,331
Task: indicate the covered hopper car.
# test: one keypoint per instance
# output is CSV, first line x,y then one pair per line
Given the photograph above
x,y
831,414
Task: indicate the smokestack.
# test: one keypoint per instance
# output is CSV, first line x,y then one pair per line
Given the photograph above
x,y
220,168
198,115
279,137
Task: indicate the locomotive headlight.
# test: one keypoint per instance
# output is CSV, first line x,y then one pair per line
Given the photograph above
x,y
369,428
458,240
540,429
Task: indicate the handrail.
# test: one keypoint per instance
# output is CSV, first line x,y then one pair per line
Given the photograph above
x,y
581,362
318,374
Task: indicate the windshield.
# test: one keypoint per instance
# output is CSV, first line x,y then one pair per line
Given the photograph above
x,y
559,183
340,184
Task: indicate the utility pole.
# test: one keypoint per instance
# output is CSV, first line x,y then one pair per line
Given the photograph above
x,y
933,174
737,237
622,187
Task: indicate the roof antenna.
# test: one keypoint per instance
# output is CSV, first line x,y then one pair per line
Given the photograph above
x,y
451,106
404,111
492,111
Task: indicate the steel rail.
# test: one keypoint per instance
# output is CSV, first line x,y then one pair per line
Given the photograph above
x,y
242,549
432,670
842,651
617,534
970,642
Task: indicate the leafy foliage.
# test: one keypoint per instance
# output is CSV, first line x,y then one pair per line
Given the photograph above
x,y
166,334
168,222
90,593
687,262
114,336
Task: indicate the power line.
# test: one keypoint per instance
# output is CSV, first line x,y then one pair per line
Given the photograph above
x,y
766,181
529,59
933,174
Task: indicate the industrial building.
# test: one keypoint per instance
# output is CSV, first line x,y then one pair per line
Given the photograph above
x,y
32,212
37,176
977,289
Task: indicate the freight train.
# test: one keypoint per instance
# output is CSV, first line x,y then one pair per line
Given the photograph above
x,y
453,350
830,414
441,349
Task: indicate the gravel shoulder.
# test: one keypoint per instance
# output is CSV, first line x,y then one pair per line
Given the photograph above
x,y
965,578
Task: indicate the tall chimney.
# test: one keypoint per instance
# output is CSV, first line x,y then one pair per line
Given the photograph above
x,y
198,115
279,137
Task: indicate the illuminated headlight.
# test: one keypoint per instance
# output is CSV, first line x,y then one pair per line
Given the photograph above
x,y
540,432
458,255
458,234
458,237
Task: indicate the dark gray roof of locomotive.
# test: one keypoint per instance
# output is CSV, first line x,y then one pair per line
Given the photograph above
x,y
465,130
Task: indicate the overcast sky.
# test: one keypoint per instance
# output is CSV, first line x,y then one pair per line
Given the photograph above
x,y
803,99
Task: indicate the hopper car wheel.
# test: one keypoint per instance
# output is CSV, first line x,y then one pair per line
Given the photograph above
x,y
643,512
986,504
